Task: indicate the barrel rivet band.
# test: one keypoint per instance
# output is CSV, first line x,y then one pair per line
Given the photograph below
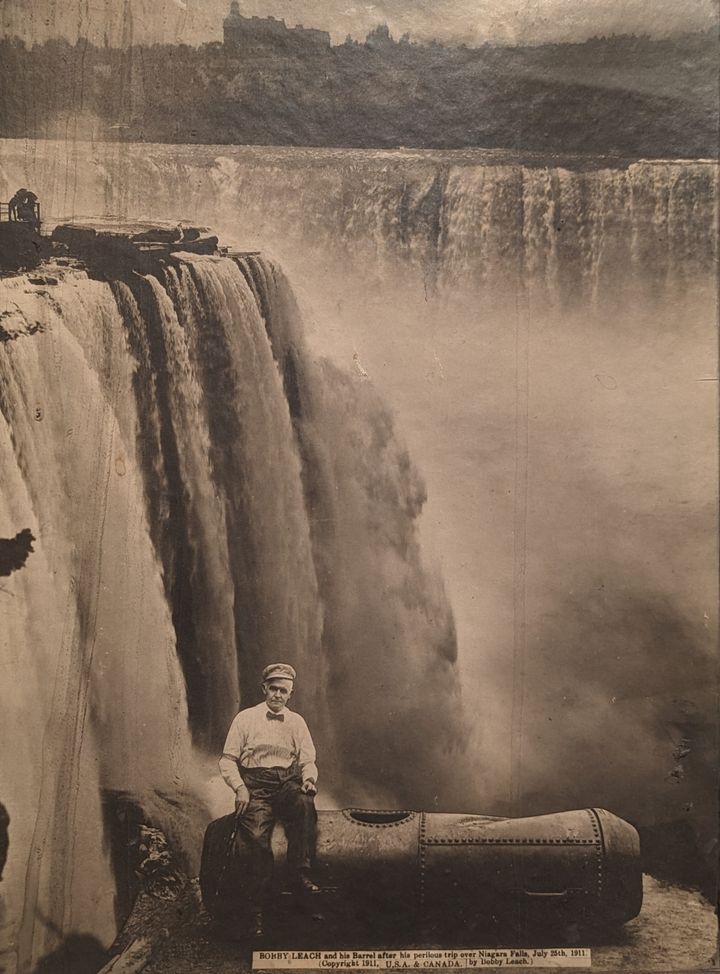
x,y
478,840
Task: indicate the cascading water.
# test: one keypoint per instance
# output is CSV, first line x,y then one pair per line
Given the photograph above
x,y
581,230
94,694
203,497
364,497
544,330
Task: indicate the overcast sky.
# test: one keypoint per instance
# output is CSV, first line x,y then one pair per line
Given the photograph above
x,y
469,21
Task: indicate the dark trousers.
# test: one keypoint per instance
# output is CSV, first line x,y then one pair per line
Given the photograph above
x,y
275,795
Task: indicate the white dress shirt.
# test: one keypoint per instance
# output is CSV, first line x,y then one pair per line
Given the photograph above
x,y
257,741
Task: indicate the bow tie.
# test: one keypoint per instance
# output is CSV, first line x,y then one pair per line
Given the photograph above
x,y
271,716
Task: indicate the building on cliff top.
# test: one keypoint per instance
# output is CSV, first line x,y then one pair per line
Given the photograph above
x,y
260,35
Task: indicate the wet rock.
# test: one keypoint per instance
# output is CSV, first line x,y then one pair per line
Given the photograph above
x,y
201,245
43,279
114,252
133,959
74,235
158,235
20,247
156,867
194,233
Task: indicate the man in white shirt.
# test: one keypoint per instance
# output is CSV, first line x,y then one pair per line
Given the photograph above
x,y
269,762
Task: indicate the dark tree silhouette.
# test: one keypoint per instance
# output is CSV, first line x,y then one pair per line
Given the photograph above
x,y
622,95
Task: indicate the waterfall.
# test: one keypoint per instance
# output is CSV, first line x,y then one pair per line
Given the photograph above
x,y
544,330
203,497
94,695
578,230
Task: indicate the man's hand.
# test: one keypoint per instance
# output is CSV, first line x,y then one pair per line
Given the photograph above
x,y
308,788
242,800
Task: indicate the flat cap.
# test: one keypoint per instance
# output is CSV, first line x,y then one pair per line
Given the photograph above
x,y
278,671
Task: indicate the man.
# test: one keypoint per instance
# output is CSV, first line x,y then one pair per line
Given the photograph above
x,y
23,207
15,202
269,762
27,209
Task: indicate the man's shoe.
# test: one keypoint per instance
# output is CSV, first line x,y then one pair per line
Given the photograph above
x,y
305,884
257,930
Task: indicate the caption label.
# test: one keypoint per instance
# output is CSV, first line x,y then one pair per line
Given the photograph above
x,y
384,960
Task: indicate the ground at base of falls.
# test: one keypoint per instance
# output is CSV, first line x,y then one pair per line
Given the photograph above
x,y
675,931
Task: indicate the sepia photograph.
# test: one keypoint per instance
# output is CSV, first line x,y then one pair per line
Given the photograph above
x,y
358,485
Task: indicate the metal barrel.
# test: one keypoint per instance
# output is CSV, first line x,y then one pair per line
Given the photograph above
x,y
581,865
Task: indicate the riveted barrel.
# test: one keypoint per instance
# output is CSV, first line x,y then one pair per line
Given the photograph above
x,y
621,895
357,844
370,861
581,865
